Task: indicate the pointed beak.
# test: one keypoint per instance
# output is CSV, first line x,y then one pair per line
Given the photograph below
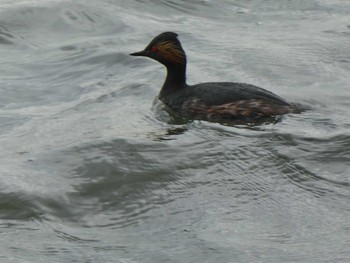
x,y
142,53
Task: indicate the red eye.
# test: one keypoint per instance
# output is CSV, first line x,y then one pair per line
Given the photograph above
x,y
154,49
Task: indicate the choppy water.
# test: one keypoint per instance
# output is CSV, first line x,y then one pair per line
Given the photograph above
x,y
89,173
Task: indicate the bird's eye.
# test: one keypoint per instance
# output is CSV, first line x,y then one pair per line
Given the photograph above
x,y
154,49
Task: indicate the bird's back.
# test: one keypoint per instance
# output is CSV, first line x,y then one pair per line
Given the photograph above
x,y
217,93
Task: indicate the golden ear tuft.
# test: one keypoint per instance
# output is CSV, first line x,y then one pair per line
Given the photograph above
x,y
171,52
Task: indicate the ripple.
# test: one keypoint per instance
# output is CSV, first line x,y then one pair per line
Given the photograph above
x,y
17,206
6,38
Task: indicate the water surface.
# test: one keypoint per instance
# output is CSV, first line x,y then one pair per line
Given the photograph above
x,y
90,172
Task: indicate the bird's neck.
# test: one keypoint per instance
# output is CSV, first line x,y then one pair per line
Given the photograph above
x,y
175,79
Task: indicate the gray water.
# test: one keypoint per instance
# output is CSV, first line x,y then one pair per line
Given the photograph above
x,y
90,172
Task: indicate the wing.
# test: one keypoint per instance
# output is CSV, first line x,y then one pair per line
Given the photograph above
x,y
213,93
